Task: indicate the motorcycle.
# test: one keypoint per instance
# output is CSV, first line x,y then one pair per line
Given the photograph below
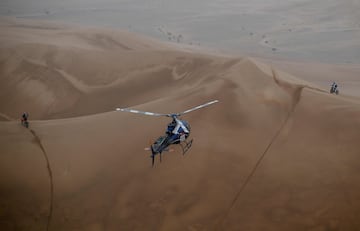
x,y
334,90
25,123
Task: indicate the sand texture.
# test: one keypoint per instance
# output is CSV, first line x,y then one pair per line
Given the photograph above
x,y
277,153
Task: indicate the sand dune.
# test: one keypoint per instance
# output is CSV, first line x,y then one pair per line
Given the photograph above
x,y
277,152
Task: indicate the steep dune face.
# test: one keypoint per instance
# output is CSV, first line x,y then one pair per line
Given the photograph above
x,y
307,177
56,71
275,154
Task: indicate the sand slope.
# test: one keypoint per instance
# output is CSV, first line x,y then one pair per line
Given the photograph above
x,y
277,153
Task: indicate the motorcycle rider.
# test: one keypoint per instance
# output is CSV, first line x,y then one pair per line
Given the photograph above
x,y
24,118
334,87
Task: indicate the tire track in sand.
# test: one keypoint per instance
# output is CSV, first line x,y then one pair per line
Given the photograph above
x,y
295,93
38,142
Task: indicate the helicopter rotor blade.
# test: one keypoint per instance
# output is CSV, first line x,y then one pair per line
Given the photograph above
x,y
141,112
198,107
167,115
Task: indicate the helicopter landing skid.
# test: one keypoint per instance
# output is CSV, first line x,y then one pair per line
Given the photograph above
x,y
186,146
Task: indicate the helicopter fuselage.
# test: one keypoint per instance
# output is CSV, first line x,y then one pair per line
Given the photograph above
x,y
177,131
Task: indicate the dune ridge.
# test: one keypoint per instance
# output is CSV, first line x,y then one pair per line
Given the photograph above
x,y
295,92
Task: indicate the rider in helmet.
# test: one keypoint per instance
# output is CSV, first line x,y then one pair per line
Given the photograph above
x,y
25,116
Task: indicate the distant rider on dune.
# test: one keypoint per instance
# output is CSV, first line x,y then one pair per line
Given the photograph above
x,y
24,119
334,89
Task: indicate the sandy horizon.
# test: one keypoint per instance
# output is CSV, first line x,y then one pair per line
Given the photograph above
x,y
323,31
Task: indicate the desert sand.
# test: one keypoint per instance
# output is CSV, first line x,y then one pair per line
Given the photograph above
x,y
277,153
323,30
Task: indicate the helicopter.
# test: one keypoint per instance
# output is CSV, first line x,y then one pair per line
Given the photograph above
x,y
177,132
